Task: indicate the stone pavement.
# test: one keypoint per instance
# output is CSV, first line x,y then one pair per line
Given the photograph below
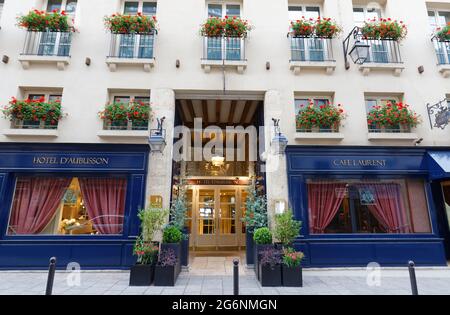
x,y
394,281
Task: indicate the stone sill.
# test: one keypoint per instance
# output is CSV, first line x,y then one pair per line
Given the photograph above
x,y
31,132
392,136
239,65
444,70
141,134
297,66
396,68
319,135
28,60
114,62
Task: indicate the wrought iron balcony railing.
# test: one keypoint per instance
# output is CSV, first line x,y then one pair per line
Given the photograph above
x,y
383,51
311,49
139,46
47,44
224,48
442,49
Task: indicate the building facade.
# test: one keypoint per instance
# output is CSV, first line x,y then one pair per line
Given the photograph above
x,y
363,193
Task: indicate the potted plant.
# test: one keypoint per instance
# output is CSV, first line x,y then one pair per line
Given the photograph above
x,y
172,237
34,113
115,115
166,269
255,217
263,241
291,268
152,220
394,116
236,27
213,27
41,21
130,24
326,28
139,114
443,34
302,28
323,118
286,228
270,268
178,218
384,29
142,273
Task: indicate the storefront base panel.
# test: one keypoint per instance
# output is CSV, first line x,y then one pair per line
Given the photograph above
x,y
359,254
88,256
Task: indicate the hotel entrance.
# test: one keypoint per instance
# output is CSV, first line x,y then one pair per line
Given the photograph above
x,y
215,217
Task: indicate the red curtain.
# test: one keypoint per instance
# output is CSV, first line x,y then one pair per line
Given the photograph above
x,y
324,202
35,203
104,199
388,207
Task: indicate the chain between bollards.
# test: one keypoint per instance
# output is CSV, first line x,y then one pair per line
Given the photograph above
x,y
412,277
236,276
51,276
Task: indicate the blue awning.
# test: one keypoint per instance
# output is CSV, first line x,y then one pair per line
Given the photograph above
x,y
439,164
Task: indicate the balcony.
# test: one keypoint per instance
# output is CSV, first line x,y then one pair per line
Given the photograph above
x,y
311,53
124,129
24,128
46,47
131,50
384,54
227,52
319,133
442,49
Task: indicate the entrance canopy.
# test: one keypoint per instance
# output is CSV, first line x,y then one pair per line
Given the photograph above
x,y
439,164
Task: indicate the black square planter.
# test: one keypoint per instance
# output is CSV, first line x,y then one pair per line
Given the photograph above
x,y
165,276
177,249
257,256
249,248
270,276
292,276
141,275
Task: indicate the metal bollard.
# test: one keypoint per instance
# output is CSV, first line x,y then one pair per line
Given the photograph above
x,y
51,276
412,277
236,276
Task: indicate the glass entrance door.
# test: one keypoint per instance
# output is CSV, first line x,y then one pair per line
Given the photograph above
x,y
216,217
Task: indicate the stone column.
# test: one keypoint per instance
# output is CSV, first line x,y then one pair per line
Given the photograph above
x,y
276,176
159,177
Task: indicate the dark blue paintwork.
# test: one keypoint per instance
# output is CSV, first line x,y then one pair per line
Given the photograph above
x,y
308,162
33,252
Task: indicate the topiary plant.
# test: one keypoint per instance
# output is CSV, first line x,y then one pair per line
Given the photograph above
x,y
262,236
256,211
172,234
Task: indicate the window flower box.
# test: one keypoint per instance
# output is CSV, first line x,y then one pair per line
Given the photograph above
x,y
126,116
393,117
384,29
33,114
324,118
41,21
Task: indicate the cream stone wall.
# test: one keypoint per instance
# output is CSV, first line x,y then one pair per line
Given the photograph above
x,y
85,88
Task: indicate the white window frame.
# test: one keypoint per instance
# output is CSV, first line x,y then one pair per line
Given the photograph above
x,y
312,98
365,12
303,7
46,94
436,23
140,5
380,99
131,95
224,7
63,7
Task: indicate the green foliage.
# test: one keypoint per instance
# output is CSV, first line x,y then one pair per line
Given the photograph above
x,y
34,110
130,24
147,252
178,211
393,114
172,234
152,220
286,228
236,27
122,112
384,29
443,34
291,258
213,27
41,21
262,236
324,116
256,211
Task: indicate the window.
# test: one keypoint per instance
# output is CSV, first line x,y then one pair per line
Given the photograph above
x,y
369,206
2,2
222,10
133,7
298,12
316,100
437,19
68,206
362,14
69,6
134,123
372,102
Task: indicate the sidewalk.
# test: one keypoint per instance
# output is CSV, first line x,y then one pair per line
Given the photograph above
x,y
394,281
